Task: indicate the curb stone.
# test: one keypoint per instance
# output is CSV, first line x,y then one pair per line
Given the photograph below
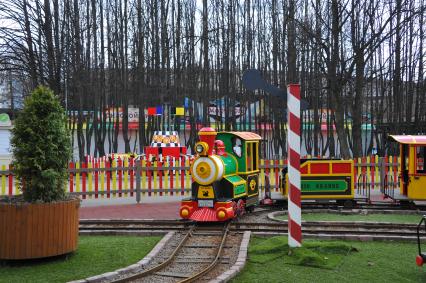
x,y
239,264
130,268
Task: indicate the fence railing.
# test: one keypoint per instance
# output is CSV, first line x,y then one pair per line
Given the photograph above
x,y
142,178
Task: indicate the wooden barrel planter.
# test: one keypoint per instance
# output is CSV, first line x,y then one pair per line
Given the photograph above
x,y
38,230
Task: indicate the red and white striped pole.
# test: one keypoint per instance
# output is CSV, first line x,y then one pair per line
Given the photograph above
x,y
293,152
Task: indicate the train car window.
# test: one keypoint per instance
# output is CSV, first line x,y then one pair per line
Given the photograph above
x,y
404,163
237,146
252,156
255,156
249,149
420,159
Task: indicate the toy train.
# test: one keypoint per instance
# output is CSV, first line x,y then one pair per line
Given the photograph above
x,y
332,179
412,170
323,179
226,176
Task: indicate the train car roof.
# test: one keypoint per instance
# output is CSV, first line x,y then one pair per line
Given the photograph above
x,y
409,139
248,136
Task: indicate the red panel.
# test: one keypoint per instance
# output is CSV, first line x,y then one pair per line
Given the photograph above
x,y
151,110
171,151
341,168
71,182
151,150
320,168
304,170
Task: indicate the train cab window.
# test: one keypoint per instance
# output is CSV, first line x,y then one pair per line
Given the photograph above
x,y
404,163
237,146
255,155
252,153
420,159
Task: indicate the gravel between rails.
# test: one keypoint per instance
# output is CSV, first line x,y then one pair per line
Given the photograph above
x,y
198,252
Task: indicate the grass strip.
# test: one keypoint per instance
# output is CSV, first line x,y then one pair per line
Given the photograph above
x,y
325,261
95,255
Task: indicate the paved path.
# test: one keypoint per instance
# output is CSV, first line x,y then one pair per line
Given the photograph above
x,y
149,208
165,207
169,210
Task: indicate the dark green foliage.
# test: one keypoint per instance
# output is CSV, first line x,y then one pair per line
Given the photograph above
x,y
325,255
41,147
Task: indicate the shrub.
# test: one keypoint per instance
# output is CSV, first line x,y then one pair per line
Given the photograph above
x,y
41,147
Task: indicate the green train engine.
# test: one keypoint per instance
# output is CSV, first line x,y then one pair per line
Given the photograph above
x,y
225,176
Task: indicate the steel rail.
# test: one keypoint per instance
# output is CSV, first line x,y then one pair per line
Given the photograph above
x,y
161,265
215,261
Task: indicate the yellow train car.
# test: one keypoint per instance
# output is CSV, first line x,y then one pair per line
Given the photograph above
x,y
411,172
325,179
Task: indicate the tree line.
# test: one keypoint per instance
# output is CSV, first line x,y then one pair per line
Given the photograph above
x,y
356,59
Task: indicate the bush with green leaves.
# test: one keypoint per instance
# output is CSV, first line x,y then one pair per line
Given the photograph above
x,y
41,147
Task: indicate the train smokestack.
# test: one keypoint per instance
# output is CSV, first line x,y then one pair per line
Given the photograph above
x,y
208,135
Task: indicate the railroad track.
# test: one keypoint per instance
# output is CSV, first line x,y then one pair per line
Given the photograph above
x,y
197,254
134,224
334,229
358,205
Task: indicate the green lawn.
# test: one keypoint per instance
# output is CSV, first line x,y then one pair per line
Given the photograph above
x,y
95,255
367,262
395,218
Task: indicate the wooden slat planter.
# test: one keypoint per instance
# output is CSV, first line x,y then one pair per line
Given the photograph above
x,y
38,230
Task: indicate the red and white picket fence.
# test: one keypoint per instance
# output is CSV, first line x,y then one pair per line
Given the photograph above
x,y
106,178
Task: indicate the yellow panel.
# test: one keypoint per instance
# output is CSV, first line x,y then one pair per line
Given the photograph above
x,y
188,177
77,177
126,177
114,177
417,188
102,165
3,181
90,179
166,178
205,192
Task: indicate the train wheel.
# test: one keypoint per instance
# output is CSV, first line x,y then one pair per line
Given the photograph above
x,y
250,209
239,207
348,203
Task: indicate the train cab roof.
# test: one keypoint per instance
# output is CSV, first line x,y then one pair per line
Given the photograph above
x,y
248,136
409,139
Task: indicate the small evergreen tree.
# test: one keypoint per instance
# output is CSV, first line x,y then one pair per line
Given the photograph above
x,y
41,147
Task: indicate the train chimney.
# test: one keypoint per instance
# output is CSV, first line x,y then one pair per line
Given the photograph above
x,y
208,135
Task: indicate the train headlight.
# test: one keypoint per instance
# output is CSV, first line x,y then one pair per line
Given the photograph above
x,y
201,148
